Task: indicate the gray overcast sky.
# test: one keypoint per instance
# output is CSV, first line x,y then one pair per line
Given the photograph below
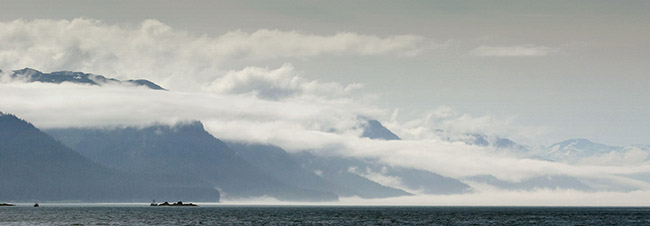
x,y
579,68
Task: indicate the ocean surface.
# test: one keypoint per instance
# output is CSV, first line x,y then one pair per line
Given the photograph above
x,y
319,215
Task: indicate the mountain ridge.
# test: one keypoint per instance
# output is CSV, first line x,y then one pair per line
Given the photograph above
x,y
34,166
58,77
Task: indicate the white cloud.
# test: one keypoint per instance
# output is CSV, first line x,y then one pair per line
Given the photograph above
x,y
173,58
447,124
276,83
627,156
381,178
513,51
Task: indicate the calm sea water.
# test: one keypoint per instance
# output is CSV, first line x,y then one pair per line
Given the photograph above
x,y
320,215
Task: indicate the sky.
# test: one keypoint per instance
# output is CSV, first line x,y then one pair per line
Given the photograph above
x,y
567,69
300,75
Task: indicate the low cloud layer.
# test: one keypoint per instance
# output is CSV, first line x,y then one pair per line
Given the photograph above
x,y
445,123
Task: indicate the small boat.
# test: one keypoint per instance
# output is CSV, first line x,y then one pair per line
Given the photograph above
x,y
36,205
7,204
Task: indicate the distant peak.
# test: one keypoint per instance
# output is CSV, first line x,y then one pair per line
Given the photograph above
x,y
574,141
582,144
27,71
373,129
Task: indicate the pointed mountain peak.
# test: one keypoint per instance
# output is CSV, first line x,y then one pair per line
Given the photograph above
x,y
373,129
146,83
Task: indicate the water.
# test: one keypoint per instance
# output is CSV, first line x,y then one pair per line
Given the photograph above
x,y
321,215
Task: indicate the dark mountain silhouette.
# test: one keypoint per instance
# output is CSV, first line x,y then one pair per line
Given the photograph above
x,y
183,150
34,166
31,75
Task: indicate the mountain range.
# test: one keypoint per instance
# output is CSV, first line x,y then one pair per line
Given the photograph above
x,y
185,150
36,167
185,161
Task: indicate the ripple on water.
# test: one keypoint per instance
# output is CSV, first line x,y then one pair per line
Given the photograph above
x,y
329,215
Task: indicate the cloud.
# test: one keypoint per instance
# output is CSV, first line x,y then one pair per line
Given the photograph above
x,y
174,58
275,43
445,123
513,51
383,179
276,83
626,156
